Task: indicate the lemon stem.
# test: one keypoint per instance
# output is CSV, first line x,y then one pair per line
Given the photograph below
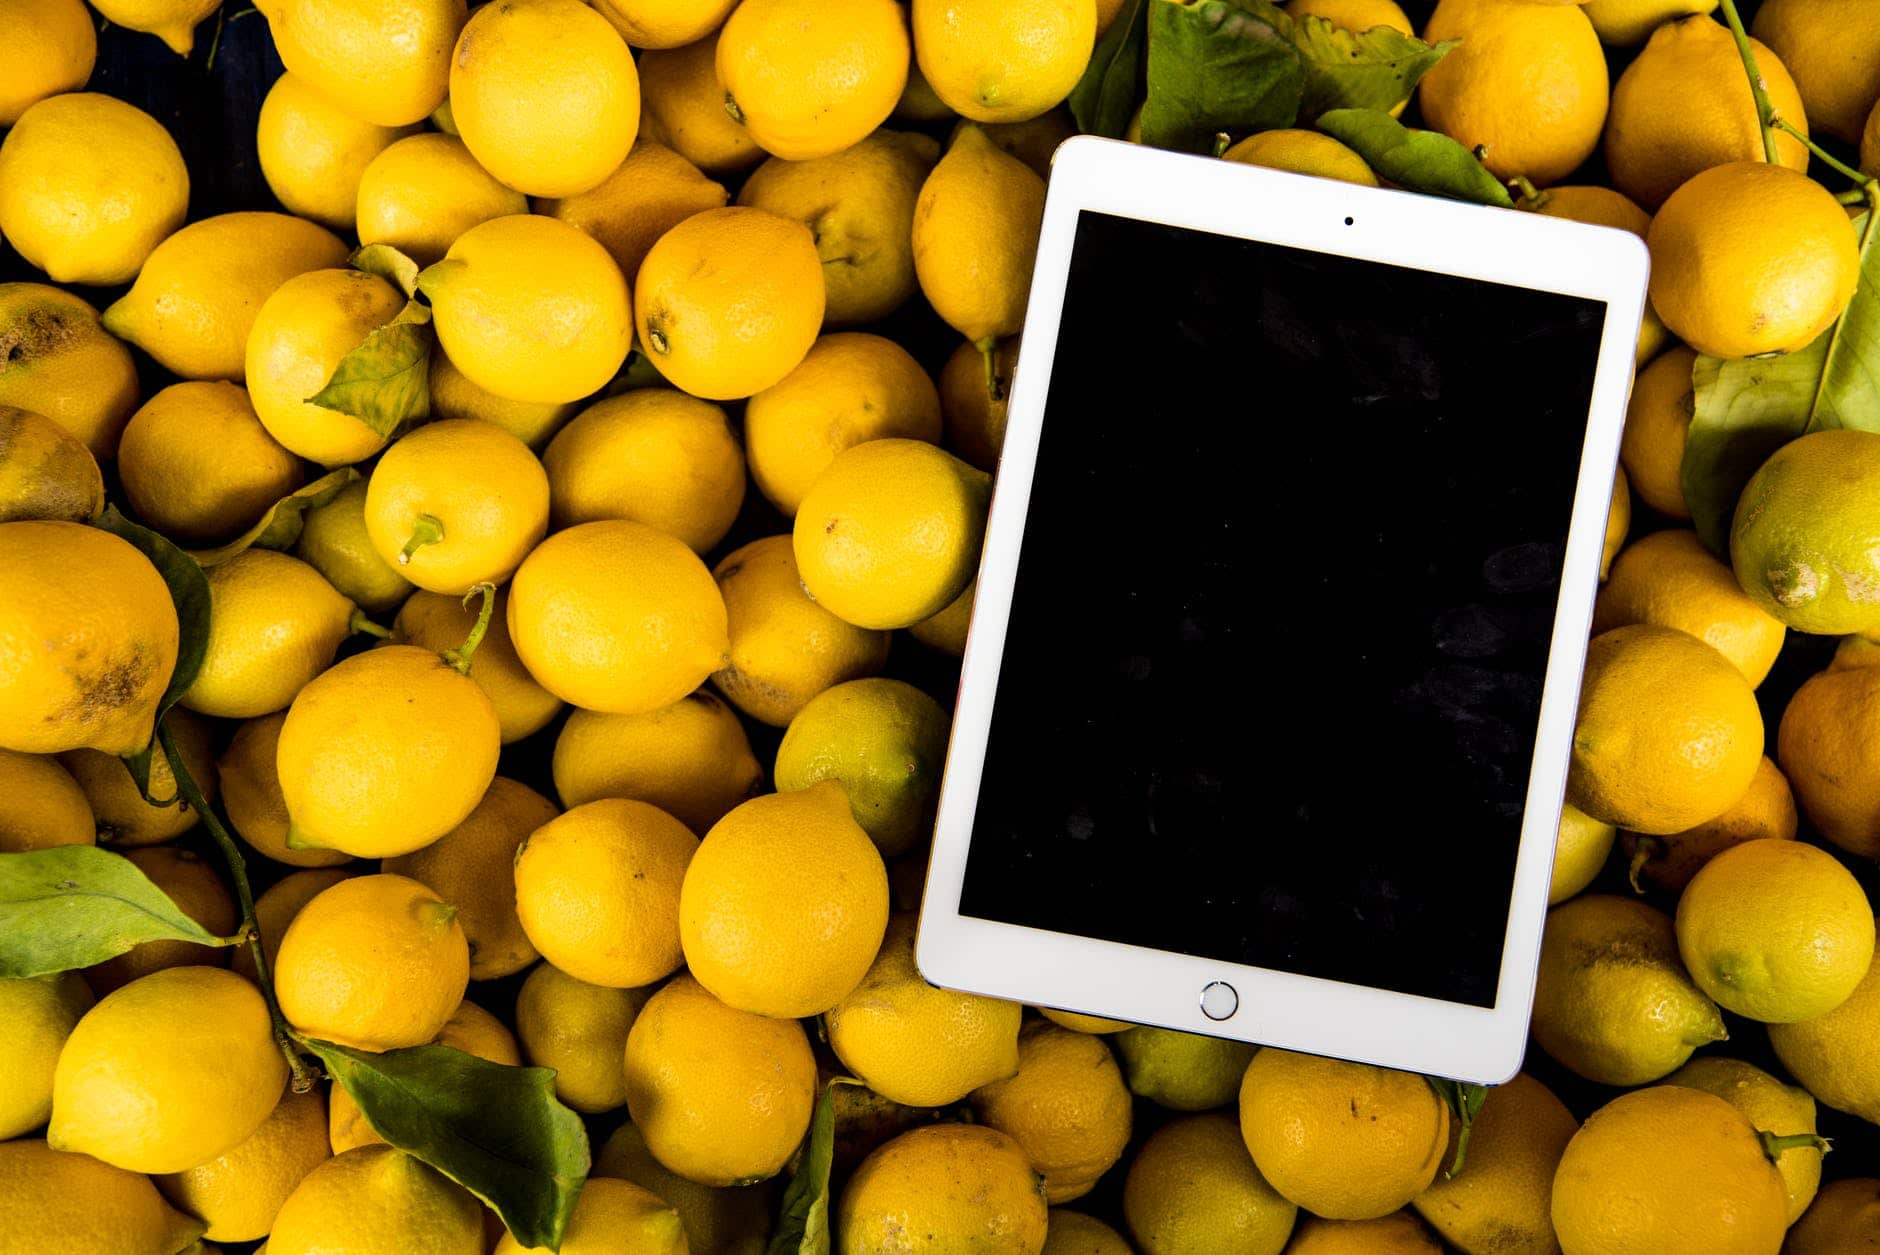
x,y
359,623
303,1078
1863,181
460,656
1647,849
426,531
988,347
1765,112
1222,142
1531,197
1774,1144
731,107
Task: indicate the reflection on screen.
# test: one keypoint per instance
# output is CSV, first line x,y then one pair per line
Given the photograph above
x,y
1275,658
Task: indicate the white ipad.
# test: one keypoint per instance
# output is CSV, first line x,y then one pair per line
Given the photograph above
x,y
1264,718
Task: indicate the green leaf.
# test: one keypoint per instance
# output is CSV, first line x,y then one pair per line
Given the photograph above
x,y
280,527
71,906
496,1130
1374,69
389,264
189,591
1217,65
385,383
1417,161
1464,1101
1106,97
803,1224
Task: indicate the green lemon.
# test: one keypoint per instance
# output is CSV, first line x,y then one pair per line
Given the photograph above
x,y
1182,1071
884,742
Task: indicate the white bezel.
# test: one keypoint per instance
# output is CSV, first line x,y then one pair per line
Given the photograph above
x,y
1146,986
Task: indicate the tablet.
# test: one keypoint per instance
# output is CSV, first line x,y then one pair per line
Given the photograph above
x,y
1264,717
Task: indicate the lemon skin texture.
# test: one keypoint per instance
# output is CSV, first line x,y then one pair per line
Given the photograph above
x,y
439,622
198,466
652,191
691,759
298,339
240,1192
423,192
51,48
1003,62
45,471
274,625
808,81
41,805
56,1203
57,359
375,1200
579,1030
40,1013
251,796
970,1187
340,47
976,237
313,153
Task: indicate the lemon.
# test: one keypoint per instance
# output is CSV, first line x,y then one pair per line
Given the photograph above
x,y
1182,1071
455,504
1845,1215
40,1013
612,1215
531,309
958,1186
1837,1056
976,237
545,95
62,1204
1802,541
274,625
57,359
1399,1233
240,1192
1832,50
197,464
1767,1104
1670,1171
808,81
1193,1189
1827,751
471,867
721,1096
1500,1200
1302,152
1355,15
198,295
1580,851
1066,1107
374,962
1766,811
313,153
251,794
579,1030
653,455
785,904
859,205
1003,62
974,384
276,909
890,533
422,192
124,816
1669,579
615,616
469,1029
785,649
1612,1002
45,471
691,759
378,1201
385,753
735,324
852,387
684,109
89,186
41,805
197,890
652,191
434,621
333,541
884,741
1627,23
1035,140
1657,423
301,333
1087,1023
453,396
1073,1233
664,23
342,49
51,49
731,1221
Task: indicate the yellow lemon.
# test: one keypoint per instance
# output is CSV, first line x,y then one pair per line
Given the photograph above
x,y
251,795
197,890
1826,747
733,1220
313,153
730,301
1302,152
124,816
691,759
89,186
545,95
974,385
342,49
276,908
40,1013
198,466
1832,50
1502,1196
976,237
808,81
610,1216
1035,140
1627,23
1003,62
1066,1107
1073,1233
1355,15
240,1192
851,388
1182,1071
57,359
1193,1188
45,471
1580,851
1770,1105
1766,811
455,504
50,49
469,1029
333,541
722,1096
41,805
303,330
435,621
1669,579
615,616
579,1030
274,625
1657,422
859,206
1837,1056
422,192
958,1186
454,396
652,191
1844,1217
684,109
1803,539
653,455
1399,1233
53,1203
378,1201
198,295
664,23
884,741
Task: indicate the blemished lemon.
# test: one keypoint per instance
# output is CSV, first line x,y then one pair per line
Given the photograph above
x,y
1668,578
454,396
1581,849
168,1072
469,1029
85,657
1182,1071
333,541
1767,811
40,1013
579,1030
664,23
385,753
51,50
653,455
1003,62
691,759
313,153
808,81
251,795
1845,1215
1670,1171
735,1220
785,649
1355,15
89,186
976,237
530,308
423,191
974,385
613,1215
1767,1104
889,533
1346,1141
456,504
41,805
852,387
125,818
961,1186
302,332
1084,1023
276,909
374,962
1627,23
1399,1233
1194,1188
1302,152
1803,538
1826,747
1832,50
652,191
730,301
913,1043
240,1192
617,616
198,466
1612,1001
374,1200
199,292
684,109
1657,423
471,867
1066,1107
340,47
57,359
435,621
1501,1198
51,1202
1073,1233
1035,140
1836,1057
884,741
785,904
722,1096
1527,84
859,205
274,624
45,471
198,891
545,95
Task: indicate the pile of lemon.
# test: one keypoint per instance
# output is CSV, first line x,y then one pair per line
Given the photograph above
x,y
543,399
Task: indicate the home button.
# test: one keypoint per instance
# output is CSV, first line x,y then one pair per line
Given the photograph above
x,y
1218,1000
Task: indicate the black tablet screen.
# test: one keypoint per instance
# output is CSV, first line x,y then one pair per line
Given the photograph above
x,y
1272,676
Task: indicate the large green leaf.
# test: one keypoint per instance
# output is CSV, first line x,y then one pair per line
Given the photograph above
x,y
71,906
1373,69
498,1131
803,1224
280,527
1217,66
1418,161
1106,97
